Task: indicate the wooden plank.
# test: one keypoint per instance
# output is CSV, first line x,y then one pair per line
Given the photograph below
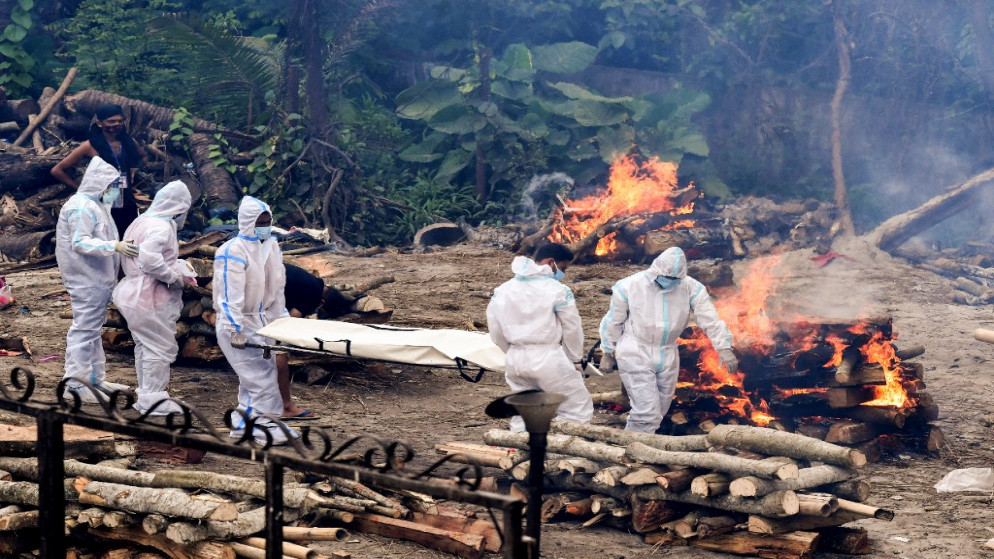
x,y
793,545
17,440
199,550
468,546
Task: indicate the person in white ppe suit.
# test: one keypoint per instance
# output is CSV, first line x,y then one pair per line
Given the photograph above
x,y
248,294
87,251
639,333
150,297
534,320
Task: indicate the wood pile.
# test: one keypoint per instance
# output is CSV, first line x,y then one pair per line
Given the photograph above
x,y
758,225
198,514
738,489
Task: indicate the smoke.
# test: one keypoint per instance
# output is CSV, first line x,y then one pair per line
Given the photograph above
x,y
540,194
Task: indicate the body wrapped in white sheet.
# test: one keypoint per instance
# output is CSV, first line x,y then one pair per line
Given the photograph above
x,y
415,346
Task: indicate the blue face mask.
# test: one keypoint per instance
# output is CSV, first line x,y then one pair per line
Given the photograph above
x,y
264,233
558,275
111,196
667,283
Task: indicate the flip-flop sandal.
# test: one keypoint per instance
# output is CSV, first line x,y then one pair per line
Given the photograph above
x,y
306,415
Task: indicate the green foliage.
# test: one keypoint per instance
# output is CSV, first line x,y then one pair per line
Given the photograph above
x,y
521,125
16,63
271,176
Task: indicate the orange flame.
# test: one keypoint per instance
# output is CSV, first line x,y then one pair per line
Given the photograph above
x,y
745,311
632,189
879,350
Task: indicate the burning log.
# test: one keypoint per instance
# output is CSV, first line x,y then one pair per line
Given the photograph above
x,y
708,238
772,442
851,432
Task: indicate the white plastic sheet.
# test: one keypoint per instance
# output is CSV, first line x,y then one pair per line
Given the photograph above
x,y
415,346
967,479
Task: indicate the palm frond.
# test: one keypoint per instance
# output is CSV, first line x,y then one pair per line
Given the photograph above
x,y
236,71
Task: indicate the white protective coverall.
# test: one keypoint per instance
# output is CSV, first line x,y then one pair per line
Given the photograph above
x,y
641,329
248,294
533,318
85,251
151,294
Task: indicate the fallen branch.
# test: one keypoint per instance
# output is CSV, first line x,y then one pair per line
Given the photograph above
x,y
47,109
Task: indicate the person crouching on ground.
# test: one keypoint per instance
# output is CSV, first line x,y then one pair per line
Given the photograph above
x,y
150,297
533,318
648,312
248,294
87,250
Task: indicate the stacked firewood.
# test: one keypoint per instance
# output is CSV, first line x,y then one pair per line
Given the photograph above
x,y
738,489
205,514
760,225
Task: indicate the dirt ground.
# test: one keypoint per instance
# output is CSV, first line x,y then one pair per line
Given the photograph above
x,y
451,287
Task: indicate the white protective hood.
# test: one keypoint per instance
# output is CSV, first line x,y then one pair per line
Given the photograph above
x,y
98,176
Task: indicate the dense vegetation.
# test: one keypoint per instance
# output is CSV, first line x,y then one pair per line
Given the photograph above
x,y
413,111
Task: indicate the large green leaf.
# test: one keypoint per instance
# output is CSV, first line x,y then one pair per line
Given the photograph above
x,y
596,113
21,18
565,58
516,64
614,141
574,91
26,5
421,101
514,91
693,143
447,73
424,152
457,119
455,161
14,33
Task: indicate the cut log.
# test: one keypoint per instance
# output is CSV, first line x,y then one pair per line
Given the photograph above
x,y
293,496
850,396
710,485
439,234
47,109
118,518
201,348
708,238
851,432
611,475
817,504
579,508
245,524
638,452
796,545
364,492
806,479
604,503
170,502
468,546
713,525
289,549
87,101
642,476
315,534
866,510
27,246
909,352
853,490
25,172
202,550
474,526
154,524
847,541
883,416
895,231
555,504
579,466
677,481
772,442
690,521
762,525
648,514
482,454
777,504
624,438
19,521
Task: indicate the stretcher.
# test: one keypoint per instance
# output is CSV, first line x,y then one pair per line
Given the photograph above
x,y
468,352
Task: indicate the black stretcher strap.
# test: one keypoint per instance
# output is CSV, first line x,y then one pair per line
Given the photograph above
x,y
461,363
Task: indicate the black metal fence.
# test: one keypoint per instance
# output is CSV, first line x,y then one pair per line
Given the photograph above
x,y
314,451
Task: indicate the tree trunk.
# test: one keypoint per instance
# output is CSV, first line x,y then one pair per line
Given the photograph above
x,y
246,524
26,172
773,442
980,17
28,246
293,496
898,229
763,525
153,116
806,478
27,468
845,75
220,189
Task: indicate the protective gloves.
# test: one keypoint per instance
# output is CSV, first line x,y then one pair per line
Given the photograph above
x,y
238,340
608,363
728,359
126,249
